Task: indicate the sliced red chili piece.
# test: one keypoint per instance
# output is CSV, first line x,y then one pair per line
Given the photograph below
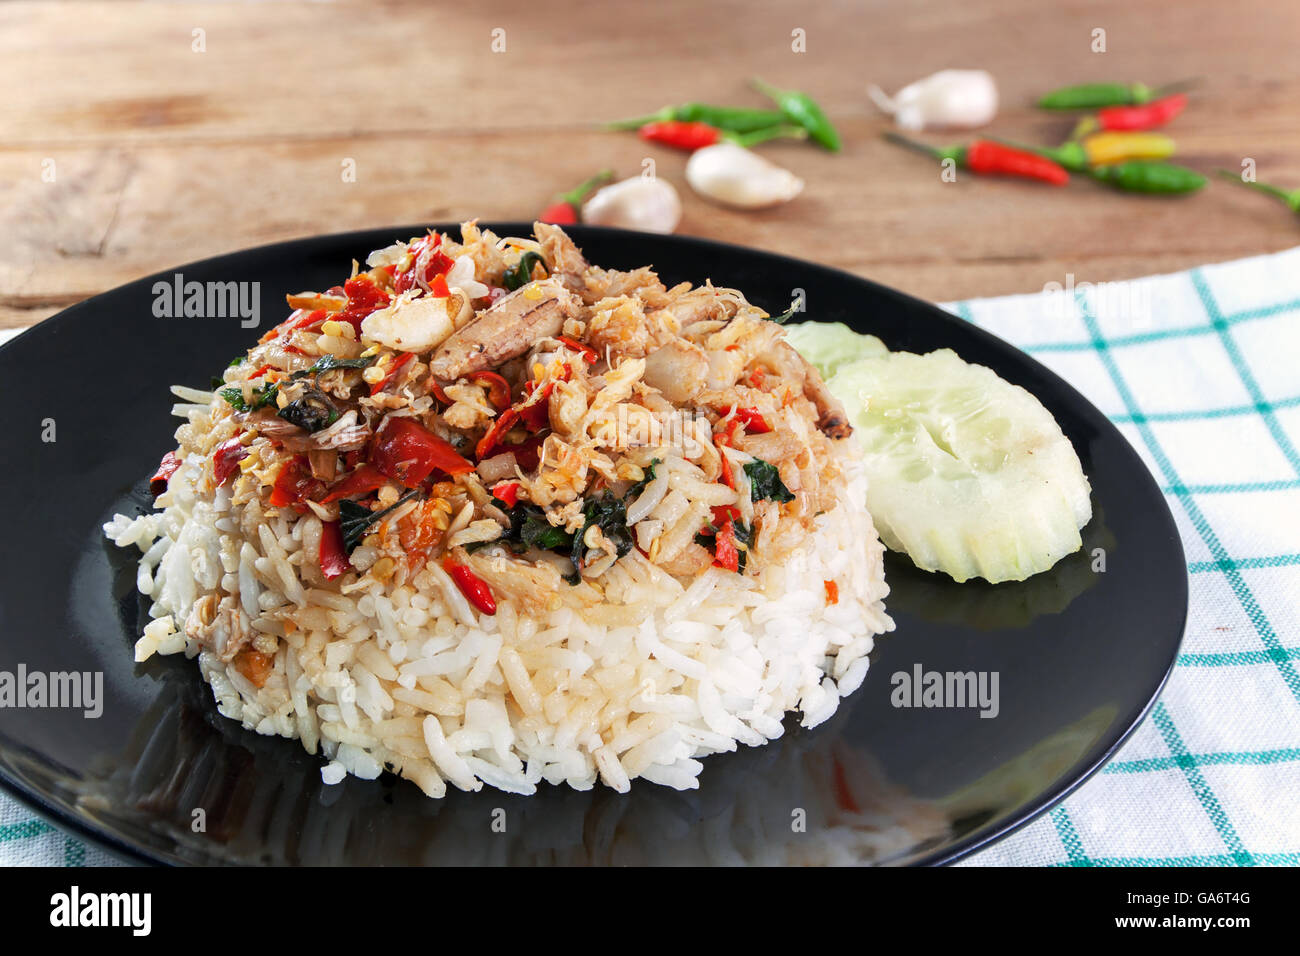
x,y
832,592
475,589
166,468
295,483
751,418
226,459
538,415
725,552
498,388
727,477
437,265
438,287
505,421
507,492
333,558
365,479
364,297
589,355
528,453
408,452
398,364
299,319
724,513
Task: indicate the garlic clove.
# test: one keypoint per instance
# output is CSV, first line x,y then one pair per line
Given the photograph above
x,y
736,176
645,203
956,99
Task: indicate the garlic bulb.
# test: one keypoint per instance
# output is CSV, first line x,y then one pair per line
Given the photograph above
x,y
952,98
642,202
733,175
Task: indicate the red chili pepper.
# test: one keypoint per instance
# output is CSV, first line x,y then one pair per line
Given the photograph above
x,y
262,370
333,558
364,297
299,319
751,418
757,377
725,552
728,477
1147,116
475,589
295,483
589,355
439,264
166,468
564,211
724,513
362,481
393,369
506,492
986,158
832,592
226,459
498,388
528,453
505,421
436,390
408,452
538,415
681,134
438,287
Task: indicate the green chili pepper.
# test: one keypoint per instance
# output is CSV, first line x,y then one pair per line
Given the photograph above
x,y
734,119
803,109
1090,96
1289,196
1143,176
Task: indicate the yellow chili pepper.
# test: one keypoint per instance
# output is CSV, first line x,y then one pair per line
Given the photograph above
x,y
1117,147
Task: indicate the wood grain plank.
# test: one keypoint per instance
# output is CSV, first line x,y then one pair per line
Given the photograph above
x,y
164,155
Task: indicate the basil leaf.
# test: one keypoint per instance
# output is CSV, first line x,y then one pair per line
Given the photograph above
x,y
787,315
327,362
522,274
262,396
355,519
609,515
765,482
634,492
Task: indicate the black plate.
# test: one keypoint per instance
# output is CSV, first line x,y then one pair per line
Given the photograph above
x,y
1080,655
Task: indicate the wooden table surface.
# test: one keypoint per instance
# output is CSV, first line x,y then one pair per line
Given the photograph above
x,y
161,154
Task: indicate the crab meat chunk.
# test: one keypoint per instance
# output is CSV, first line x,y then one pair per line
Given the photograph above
x,y
415,324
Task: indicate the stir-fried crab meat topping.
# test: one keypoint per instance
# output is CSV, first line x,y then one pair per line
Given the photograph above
x,y
523,417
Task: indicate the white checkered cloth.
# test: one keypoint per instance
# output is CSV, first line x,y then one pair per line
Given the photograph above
x,y
1201,372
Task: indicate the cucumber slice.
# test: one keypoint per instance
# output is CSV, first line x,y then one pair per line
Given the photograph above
x,y
967,474
830,345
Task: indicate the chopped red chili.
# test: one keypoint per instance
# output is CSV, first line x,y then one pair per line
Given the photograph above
x,y
498,388
475,589
507,492
362,481
439,264
298,320
725,552
398,364
832,592
408,452
226,459
751,418
295,483
364,297
166,468
589,355
333,558
505,421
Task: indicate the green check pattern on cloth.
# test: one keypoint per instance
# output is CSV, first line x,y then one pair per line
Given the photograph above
x,y
1201,372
